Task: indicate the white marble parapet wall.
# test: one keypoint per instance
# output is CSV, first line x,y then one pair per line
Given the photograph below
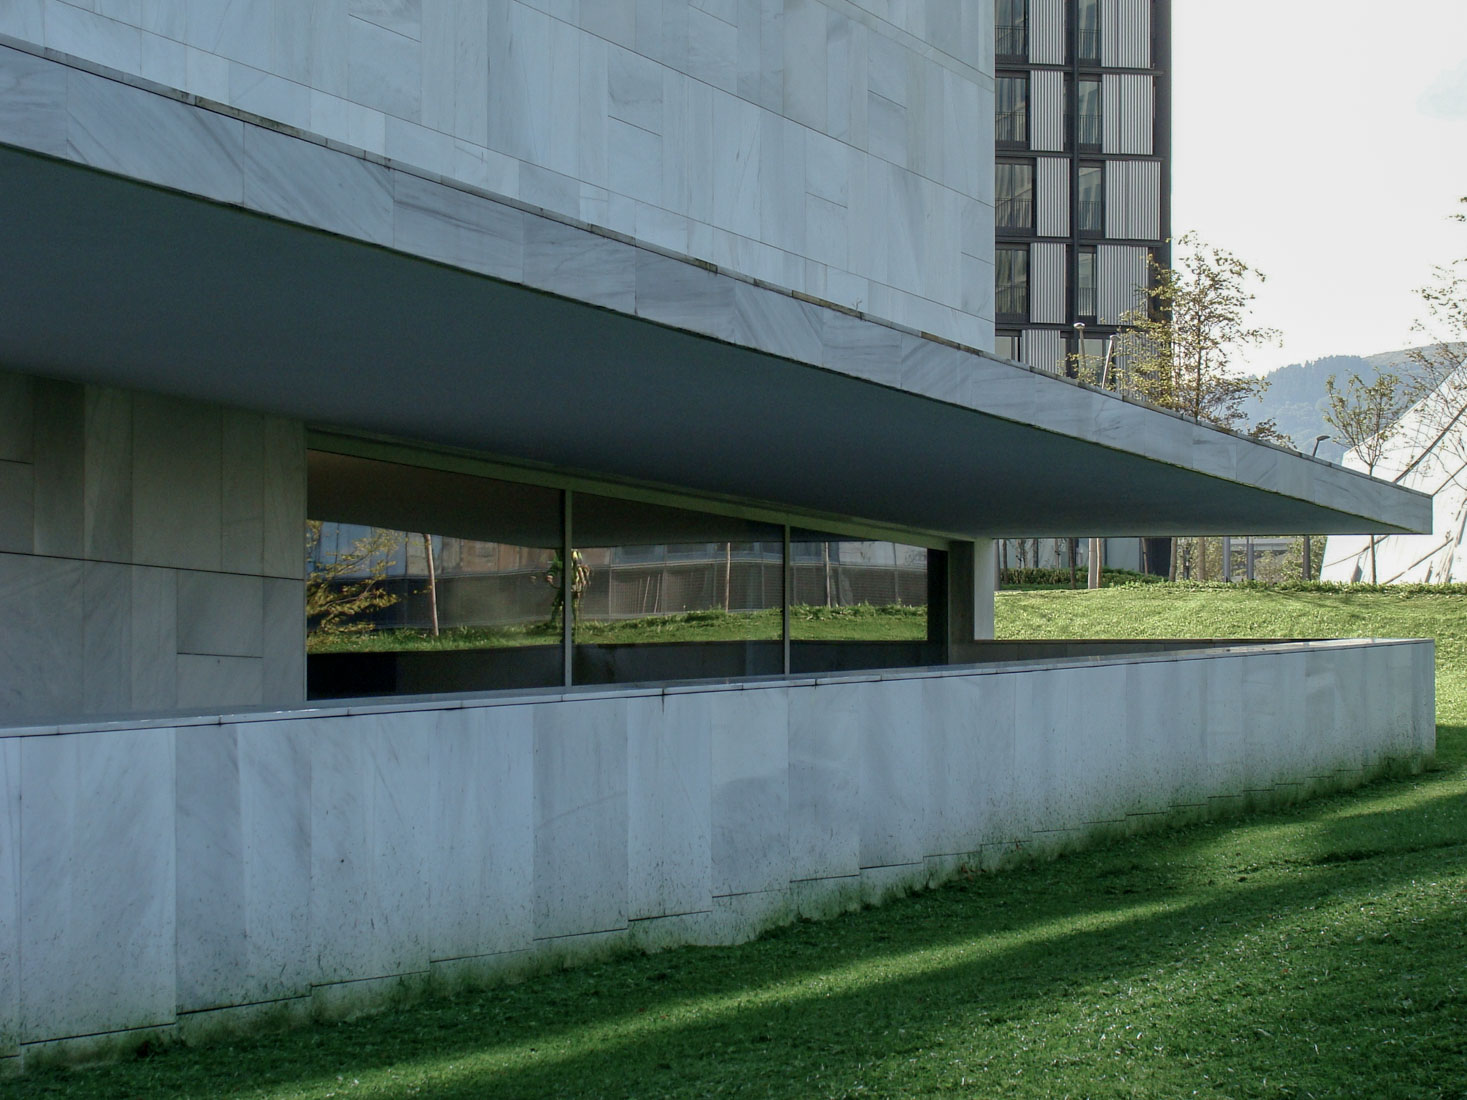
x,y
852,139
179,142
203,871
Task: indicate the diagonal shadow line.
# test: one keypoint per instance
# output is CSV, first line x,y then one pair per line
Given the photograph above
x,y
1158,924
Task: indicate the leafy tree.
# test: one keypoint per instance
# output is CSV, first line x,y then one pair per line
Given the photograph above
x,y
1365,416
342,585
1180,352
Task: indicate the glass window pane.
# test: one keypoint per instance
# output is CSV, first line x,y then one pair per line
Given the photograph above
x,y
422,580
668,593
1012,124
856,590
1011,37
1014,195
1089,28
1089,129
1091,198
1085,286
1012,282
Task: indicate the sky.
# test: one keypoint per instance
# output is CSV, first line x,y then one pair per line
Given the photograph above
x,y
1324,142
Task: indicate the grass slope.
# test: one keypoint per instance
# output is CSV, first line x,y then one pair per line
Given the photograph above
x,y
1317,952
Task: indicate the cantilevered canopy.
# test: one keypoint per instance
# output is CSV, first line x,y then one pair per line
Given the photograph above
x,y
114,282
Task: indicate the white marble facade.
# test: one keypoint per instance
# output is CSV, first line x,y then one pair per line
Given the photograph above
x,y
183,876
151,557
829,147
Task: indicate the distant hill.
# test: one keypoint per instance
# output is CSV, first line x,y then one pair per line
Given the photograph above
x,y
1296,394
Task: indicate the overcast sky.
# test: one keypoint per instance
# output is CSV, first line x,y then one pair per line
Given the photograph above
x,y
1325,143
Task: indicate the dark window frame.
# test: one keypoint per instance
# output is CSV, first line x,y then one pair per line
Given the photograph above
x,y
1020,208
1014,135
1090,214
1005,293
1011,34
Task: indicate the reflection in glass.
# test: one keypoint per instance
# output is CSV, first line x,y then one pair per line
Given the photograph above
x,y
846,589
672,594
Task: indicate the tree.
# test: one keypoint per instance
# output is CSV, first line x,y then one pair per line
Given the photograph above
x,y
1364,416
1180,350
346,583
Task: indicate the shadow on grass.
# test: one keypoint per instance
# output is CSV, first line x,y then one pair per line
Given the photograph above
x,y
1311,944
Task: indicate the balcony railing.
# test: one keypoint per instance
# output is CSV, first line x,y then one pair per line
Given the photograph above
x,y
1014,213
1091,216
1012,125
1011,39
1089,129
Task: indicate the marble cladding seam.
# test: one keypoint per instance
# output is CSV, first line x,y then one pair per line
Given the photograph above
x,y
362,199
335,72
93,627
346,850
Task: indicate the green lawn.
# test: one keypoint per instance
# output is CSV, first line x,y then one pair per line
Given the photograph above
x,y
1316,952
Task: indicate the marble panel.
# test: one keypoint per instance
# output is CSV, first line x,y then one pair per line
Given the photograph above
x,y
1149,748
613,22
404,17
164,61
384,70
1322,692
242,30
309,44
669,804
847,79
457,228
419,147
1005,390
17,413
97,917
454,36
662,31
9,896
485,169
518,55
17,507
634,84
269,96
661,228
934,369
580,817
749,791
675,293
805,88
896,733
482,848
60,443
549,190
1042,719
208,75
106,637
634,161
73,30
580,265
888,129
778,323
1186,723
560,88
1225,738
220,614
371,821
1094,748
306,183
824,779
283,516
107,475
713,48
25,20
153,657
971,763
242,496
176,517
736,165
32,99
40,637
284,643
857,347
154,138
826,239
211,684
976,282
